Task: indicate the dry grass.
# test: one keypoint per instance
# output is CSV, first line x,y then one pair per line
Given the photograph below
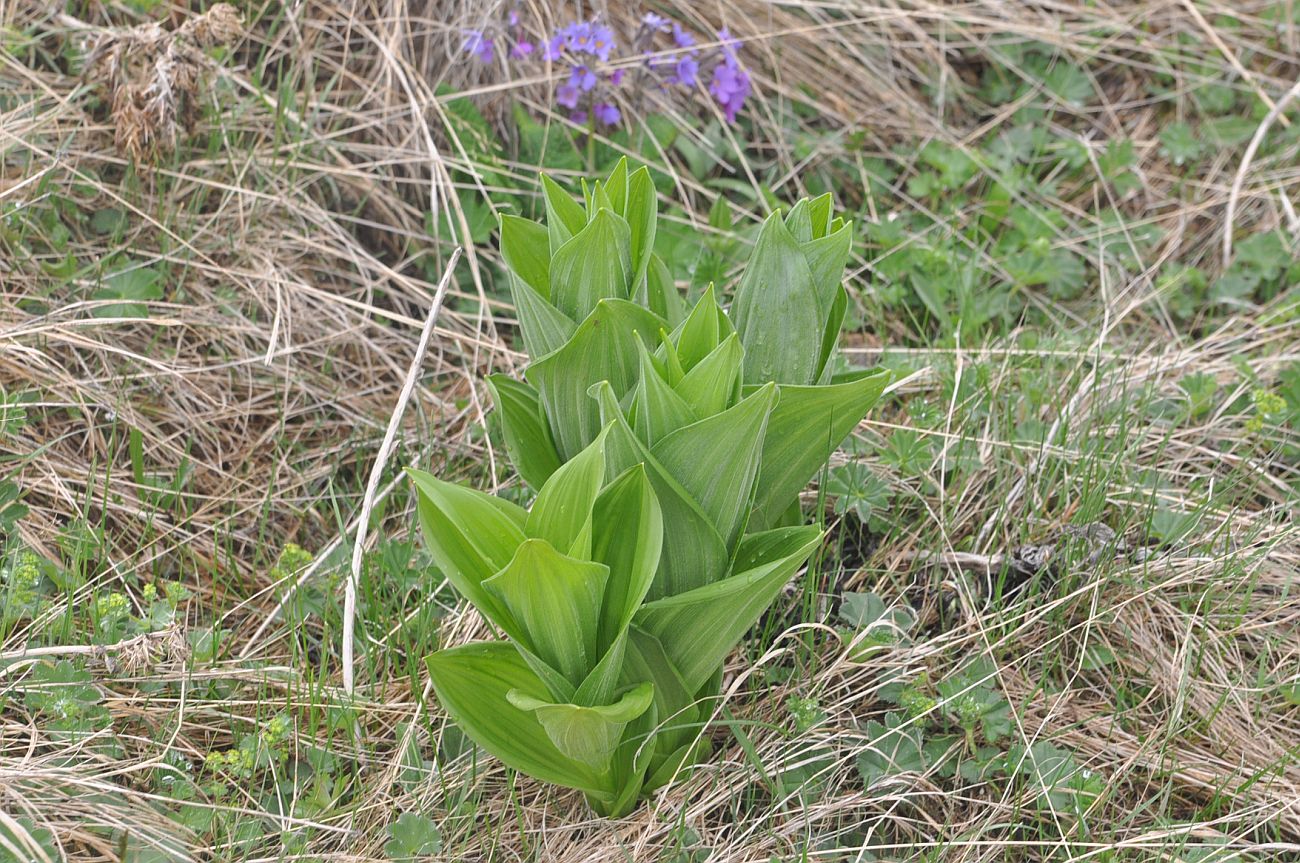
x,y
286,200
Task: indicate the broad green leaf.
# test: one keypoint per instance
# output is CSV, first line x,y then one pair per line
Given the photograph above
x,y
528,437
717,458
700,332
599,685
714,384
616,186
564,216
668,360
695,550
470,536
633,758
595,265
660,292
556,600
472,683
587,734
544,328
799,221
806,426
819,214
826,259
526,250
561,515
600,200
641,212
831,335
411,836
700,627
627,537
776,310
658,411
678,711
678,764
604,348
135,286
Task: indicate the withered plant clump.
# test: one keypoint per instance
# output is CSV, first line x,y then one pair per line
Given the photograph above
x,y
153,76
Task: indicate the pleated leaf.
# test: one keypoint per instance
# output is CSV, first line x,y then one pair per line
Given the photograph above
x,y
590,735
543,327
678,764
658,410
556,600
641,212
714,384
616,186
472,684
604,348
693,550
528,437
678,710
701,332
627,537
659,292
595,265
806,426
470,536
699,628
826,258
561,515
777,311
564,216
527,252
633,758
717,459
831,335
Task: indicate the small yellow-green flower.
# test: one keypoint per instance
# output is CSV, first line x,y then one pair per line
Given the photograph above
x,y
1268,407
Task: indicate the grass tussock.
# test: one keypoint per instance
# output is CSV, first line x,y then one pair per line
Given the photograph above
x,y
220,233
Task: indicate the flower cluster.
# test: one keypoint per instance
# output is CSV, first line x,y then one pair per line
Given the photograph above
x,y
581,45
730,84
21,580
585,48
484,46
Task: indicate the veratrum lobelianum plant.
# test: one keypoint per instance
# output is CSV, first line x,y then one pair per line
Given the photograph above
x,y
668,448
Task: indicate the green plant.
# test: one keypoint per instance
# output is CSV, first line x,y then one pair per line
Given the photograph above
x,y
412,836
668,449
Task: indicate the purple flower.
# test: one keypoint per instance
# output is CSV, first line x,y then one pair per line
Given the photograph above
x,y
602,42
567,95
579,117
554,49
729,46
730,87
514,18
521,49
617,77
583,78
654,22
681,37
686,72
477,44
607,114
577,36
